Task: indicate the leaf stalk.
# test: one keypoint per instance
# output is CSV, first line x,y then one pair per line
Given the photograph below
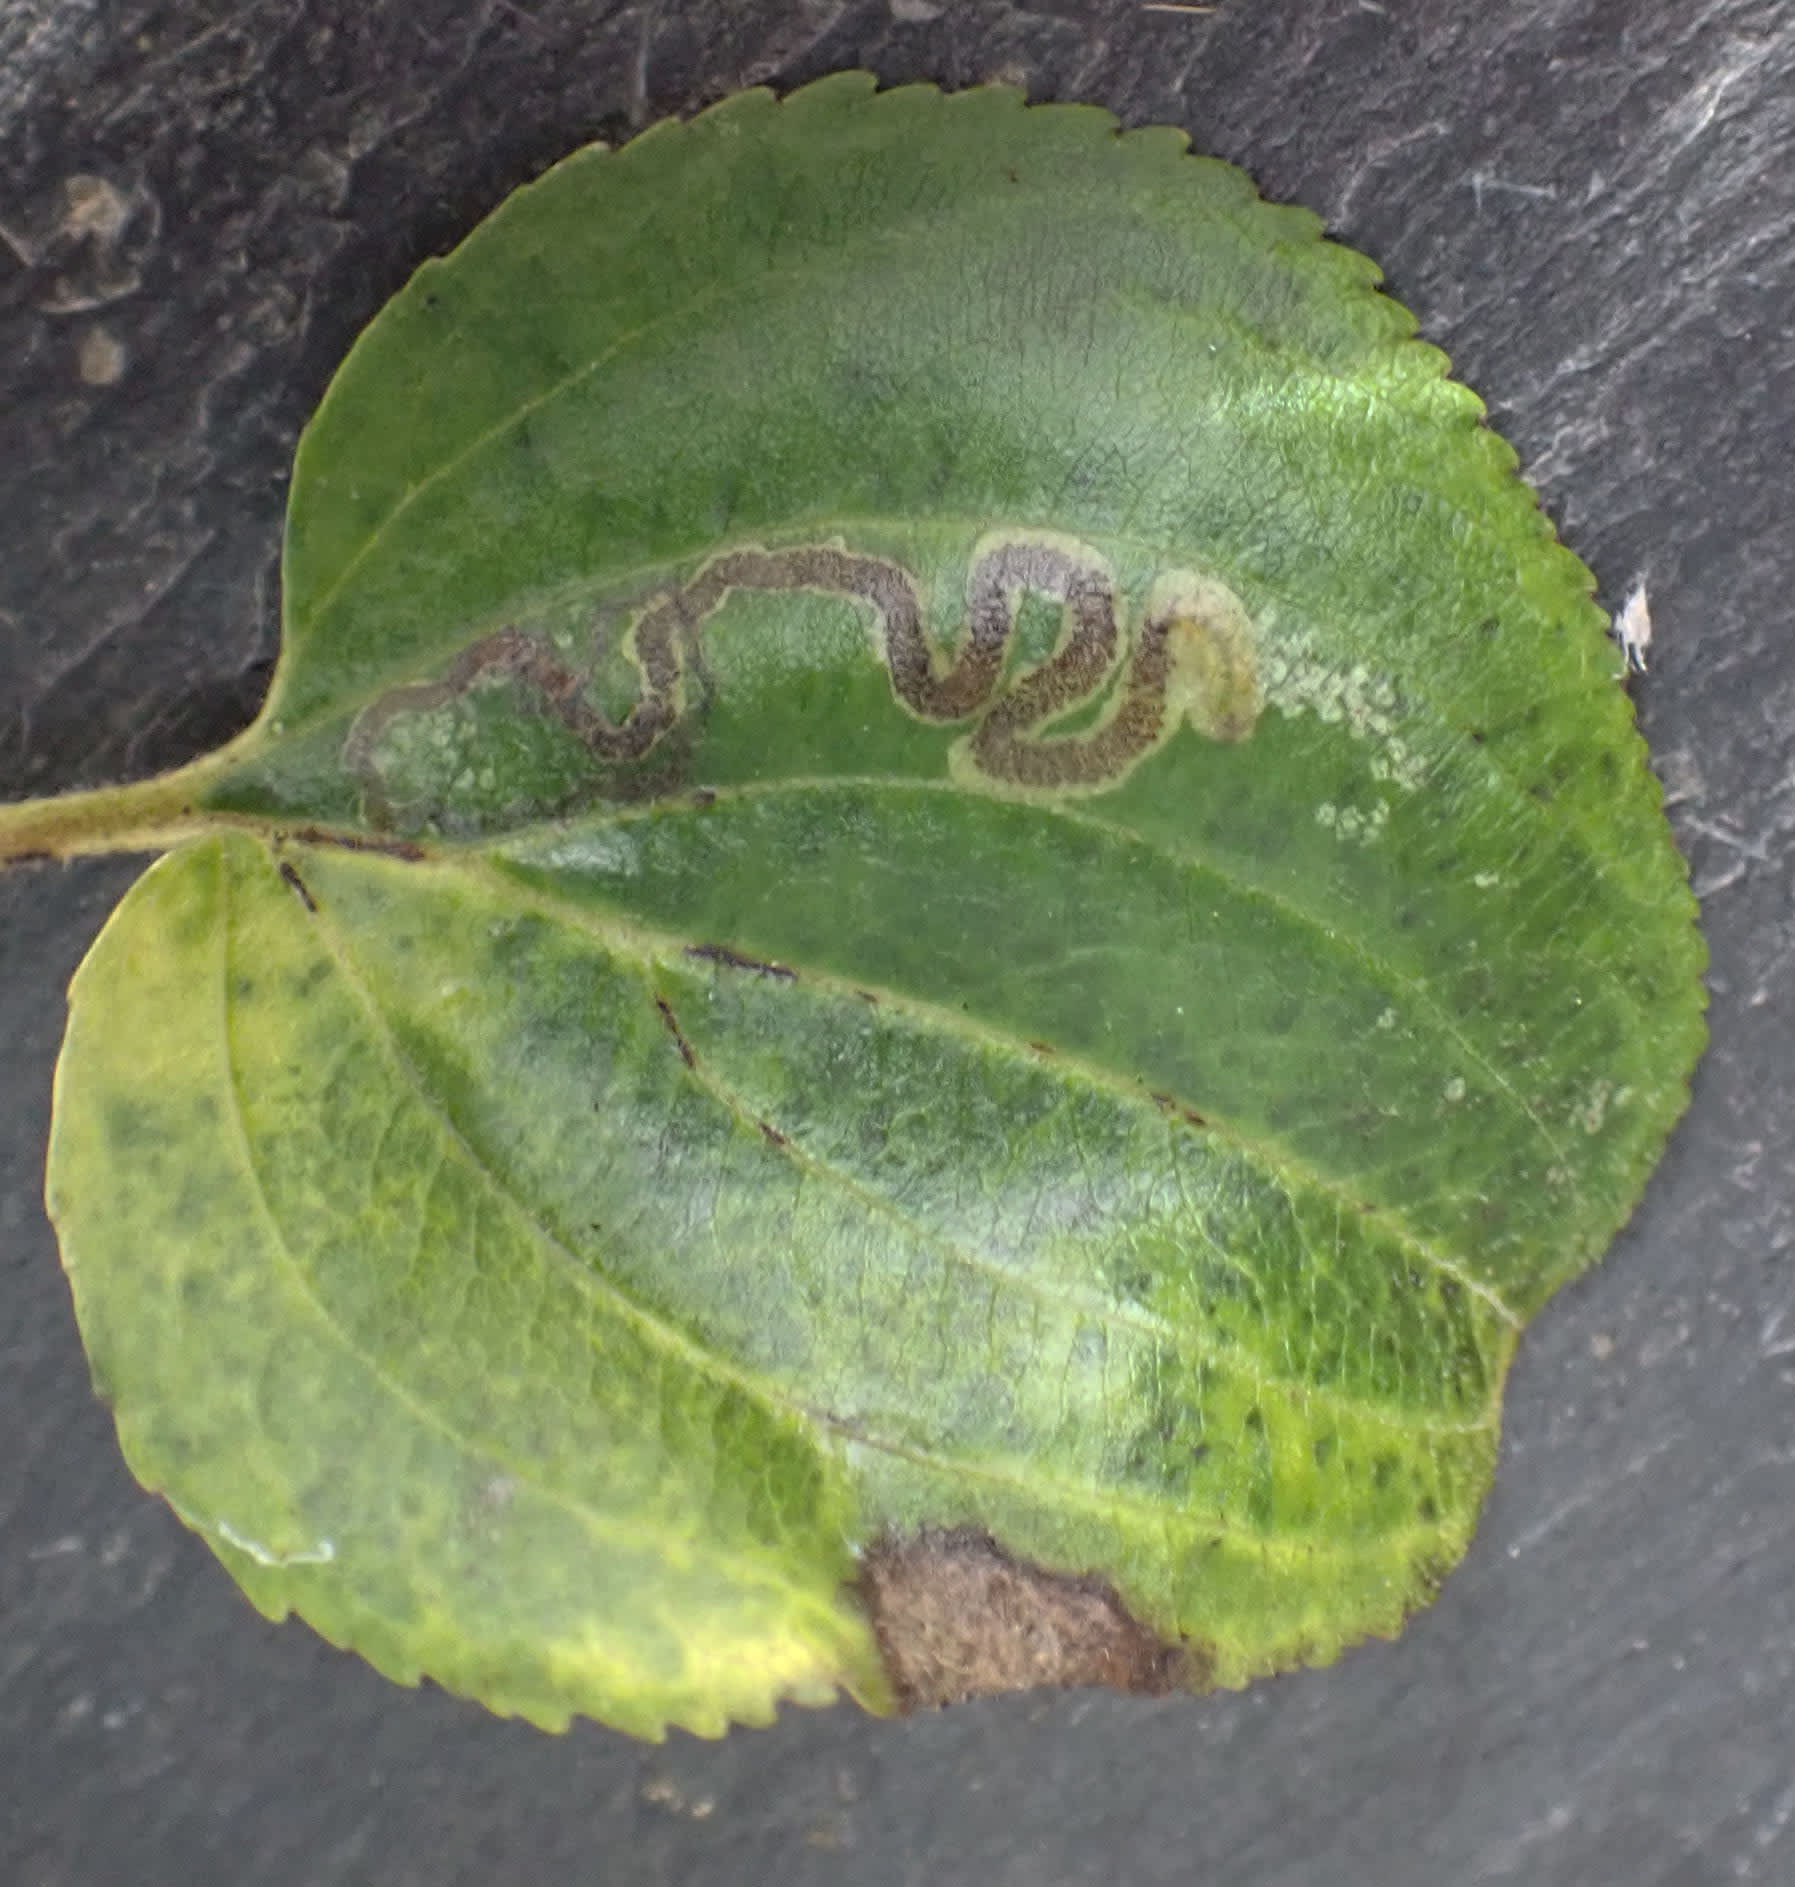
x,y
143,816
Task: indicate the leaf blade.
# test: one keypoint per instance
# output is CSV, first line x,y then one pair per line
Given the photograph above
x,y
931,791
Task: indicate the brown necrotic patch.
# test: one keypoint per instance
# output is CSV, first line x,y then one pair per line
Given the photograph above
x,y
956,1617
1192,659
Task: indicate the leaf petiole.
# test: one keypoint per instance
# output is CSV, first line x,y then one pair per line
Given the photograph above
x,y
143,816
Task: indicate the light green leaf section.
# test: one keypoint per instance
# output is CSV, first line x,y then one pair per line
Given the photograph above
x,y
939,844
374,1375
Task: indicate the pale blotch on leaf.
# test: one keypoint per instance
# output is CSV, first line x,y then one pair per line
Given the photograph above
x,y
1215,671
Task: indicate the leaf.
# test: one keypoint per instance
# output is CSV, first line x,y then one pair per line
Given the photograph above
x,y
944,915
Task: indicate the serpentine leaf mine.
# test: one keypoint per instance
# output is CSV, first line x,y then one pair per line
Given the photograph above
x,y
944,915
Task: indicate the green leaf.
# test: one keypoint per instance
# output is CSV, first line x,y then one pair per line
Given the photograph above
x,y
944,915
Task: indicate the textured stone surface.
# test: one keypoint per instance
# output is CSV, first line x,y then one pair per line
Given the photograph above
x,y
1589,204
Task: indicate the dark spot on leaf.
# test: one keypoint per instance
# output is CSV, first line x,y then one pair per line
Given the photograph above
x,y
1428,1508
734,960
1255,1419
774,1137
956,1616
673,1029
1384,1470
866,995
291,878
1043,1048
704,796
1479,736
1324,1449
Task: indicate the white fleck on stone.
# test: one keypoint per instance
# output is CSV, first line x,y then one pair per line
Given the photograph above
x,y
1633,627
58,1548
100,358
663,1792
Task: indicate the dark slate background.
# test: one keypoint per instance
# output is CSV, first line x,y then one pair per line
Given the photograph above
x,y
1591,204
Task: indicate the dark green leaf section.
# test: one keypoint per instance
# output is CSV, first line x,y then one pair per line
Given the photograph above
x,y
1501,1136
884,317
